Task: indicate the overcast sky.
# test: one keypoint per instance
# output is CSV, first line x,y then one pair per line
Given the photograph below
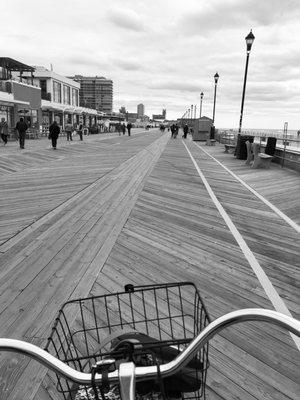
x,y
163,53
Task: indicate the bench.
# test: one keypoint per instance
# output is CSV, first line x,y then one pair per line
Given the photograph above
x,y
261,160
229,147
210,142
250,155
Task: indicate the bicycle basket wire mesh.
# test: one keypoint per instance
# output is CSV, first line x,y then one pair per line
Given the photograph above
x,y
171,315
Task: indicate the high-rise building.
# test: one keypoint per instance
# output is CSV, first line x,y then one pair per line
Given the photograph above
x,y
140,110
95,92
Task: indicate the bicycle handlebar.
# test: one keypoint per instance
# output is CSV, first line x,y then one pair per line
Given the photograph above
x,y
167,369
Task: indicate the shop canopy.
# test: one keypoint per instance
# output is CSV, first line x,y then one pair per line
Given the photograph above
x,y
13,65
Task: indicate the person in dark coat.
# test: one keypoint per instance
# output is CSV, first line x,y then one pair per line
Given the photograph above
x,y
176,129
129,126
123,128
80,129
22,127
185,131
4,130
172,130
54,131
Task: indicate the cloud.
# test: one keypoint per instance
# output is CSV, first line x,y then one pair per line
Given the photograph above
x,y
128,65
176,86
84,60
127,19
234,14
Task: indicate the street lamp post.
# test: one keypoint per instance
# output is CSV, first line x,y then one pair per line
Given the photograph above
x,y
216,77
249,41
201,98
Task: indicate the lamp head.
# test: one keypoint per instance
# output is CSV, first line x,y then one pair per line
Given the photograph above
x,y
249,41
201,95
216,77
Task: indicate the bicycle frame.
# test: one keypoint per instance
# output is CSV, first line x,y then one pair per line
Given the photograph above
x,y
128,373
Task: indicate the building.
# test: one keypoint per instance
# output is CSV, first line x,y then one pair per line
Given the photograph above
x,y
140,110
60,97
95,92
19,97
60,100
131,117
161,116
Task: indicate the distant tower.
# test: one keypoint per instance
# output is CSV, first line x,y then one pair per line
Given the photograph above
x,y
164,113
140,110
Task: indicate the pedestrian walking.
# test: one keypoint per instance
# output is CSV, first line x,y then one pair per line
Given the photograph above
x,y
4,130
68,130
80,129
185,131
123,128
172,130
129,126
54,131
21,127
118,128
176,128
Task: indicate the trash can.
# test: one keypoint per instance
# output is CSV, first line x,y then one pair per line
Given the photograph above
x,y
271,146
241,149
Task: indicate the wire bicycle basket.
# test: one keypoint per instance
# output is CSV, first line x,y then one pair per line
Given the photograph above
x,y
168,315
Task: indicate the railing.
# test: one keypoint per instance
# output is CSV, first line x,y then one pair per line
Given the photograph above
x,y
286,144
31,133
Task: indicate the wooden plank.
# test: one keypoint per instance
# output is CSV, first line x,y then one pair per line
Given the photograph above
x,y
132,226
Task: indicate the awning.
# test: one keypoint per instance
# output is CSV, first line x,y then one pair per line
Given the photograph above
x,y
52,106
14,65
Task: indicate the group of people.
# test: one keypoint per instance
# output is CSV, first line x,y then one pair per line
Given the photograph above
x,y
21,128
186,129
121,128
54,131
70,129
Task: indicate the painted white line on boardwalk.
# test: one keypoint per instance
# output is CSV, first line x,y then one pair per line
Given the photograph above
x,y
275,209
271,292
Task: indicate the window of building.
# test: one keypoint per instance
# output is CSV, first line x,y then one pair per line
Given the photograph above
x,y
67,96
74,97
57,92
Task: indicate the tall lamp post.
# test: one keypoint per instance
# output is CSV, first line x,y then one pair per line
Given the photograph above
x,y
216,77
201,98
249,41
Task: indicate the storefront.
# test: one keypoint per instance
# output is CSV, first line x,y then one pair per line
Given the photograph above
x,y
7,112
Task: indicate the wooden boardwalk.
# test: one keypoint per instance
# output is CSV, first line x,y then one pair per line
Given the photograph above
x,y
111,210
